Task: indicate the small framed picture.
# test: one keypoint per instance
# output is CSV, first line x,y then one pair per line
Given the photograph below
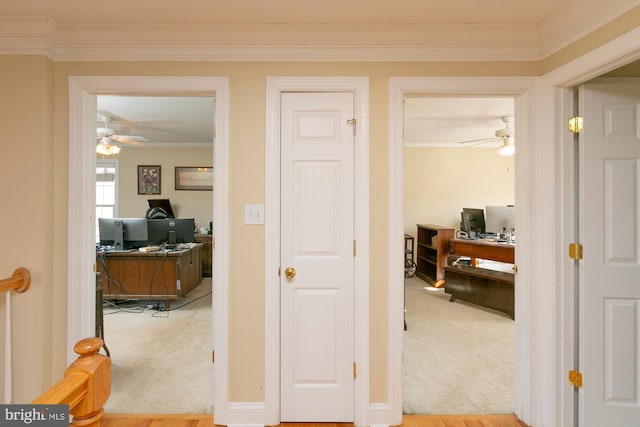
x,y
194,178
148,179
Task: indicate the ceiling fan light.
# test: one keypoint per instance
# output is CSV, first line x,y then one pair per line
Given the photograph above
x,y
507,149
107,149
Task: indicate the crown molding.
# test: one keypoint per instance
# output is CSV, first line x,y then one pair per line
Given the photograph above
x,y
321,42
41,35
561,29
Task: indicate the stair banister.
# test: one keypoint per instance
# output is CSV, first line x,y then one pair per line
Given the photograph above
x,y
20,282
86,385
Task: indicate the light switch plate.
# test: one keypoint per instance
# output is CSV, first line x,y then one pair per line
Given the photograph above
x,y
254,214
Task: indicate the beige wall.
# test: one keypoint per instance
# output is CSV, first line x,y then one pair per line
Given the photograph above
x,y
185,203
34,169
439,182
27,218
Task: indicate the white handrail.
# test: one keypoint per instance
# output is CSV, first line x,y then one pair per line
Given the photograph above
x,y
8,391
19,282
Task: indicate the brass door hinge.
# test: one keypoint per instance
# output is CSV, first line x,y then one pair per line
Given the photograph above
x,y
575,378
575,251
515,269
353,123
213,356
354,370
576,124
354,248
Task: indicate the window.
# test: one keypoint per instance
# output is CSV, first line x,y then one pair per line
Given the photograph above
x,y
106,190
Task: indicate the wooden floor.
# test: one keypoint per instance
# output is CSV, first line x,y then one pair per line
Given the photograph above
x,y
155,420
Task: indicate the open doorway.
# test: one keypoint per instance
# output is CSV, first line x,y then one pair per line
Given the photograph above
x,y
458,356
150,326
83,92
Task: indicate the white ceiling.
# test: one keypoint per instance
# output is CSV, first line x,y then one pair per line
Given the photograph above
x,y
288,11
450,122
189,121
163,121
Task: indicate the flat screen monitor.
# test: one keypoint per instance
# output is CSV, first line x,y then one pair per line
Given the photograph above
x,y
473,220
123,233
500,219
171,231
162,203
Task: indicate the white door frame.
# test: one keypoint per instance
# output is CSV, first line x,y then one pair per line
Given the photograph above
x,y
359,86
558,92
83,91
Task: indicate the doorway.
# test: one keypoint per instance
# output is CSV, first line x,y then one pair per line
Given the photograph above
x,y
399,89
458,357
160,133
83,91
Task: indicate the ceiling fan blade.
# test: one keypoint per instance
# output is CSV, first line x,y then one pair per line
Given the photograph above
x,y
108,117
479,141
136,141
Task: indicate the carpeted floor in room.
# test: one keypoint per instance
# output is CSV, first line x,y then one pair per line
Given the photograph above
x,y
161,360
458,358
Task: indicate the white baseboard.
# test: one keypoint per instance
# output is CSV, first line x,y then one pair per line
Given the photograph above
x,y
253,414
245,414
379,415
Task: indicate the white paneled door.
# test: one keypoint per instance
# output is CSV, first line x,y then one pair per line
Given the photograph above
x,y
610,233
317,257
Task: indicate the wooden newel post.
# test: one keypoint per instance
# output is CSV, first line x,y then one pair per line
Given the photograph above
x,y
97,367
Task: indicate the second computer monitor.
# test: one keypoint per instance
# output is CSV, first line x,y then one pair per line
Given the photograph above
x,y
473,220
500,219
171,231
123,233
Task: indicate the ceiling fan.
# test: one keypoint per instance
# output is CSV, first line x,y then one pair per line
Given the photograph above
x,y
504,136
108,139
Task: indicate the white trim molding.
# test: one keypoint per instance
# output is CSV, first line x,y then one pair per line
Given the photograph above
x,y
244,414
428,41
379,415
359,86
83,92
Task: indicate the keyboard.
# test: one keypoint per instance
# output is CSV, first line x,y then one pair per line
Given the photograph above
x,y
147,249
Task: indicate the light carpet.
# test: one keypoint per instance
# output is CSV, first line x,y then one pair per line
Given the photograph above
x,y
459,358
161,360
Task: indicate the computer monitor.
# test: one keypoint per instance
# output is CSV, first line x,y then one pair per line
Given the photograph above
x,y
123,233
162,203
500,219
170,231
472,221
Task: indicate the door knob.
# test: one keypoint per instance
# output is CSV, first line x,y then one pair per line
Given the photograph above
x,y
290,273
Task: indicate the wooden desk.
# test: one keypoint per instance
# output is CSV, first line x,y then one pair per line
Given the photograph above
x,y
484,249
481,286
207,252
150,276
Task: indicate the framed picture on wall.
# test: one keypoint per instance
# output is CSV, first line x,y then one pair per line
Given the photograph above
x,y
148,179
194,178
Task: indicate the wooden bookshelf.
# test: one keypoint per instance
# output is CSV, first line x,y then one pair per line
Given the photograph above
x,y
432,252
